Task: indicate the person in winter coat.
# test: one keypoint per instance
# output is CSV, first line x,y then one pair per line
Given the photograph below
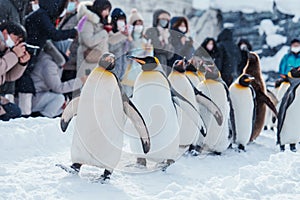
x,y
12,11
93,39
118,41
230,56
210,46
244,46
69,47
183,45
160,38
139,47
13,62
291,59
46,75
40,26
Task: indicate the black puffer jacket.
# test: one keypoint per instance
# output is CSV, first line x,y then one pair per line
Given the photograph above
x,y
40,24
230,56
40,28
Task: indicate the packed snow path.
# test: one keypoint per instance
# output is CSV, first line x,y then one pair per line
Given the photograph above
x,y
30,148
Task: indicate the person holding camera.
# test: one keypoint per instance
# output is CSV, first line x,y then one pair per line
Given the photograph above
x,y
13,62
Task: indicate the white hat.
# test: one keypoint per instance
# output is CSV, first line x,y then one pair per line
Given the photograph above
x,y
134,16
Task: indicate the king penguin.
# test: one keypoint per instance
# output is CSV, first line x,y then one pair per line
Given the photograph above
x,y
253,69
289,113
189,128
219,137
243,102
152,96
99,126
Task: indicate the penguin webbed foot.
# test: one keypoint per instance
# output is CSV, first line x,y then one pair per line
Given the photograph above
x,y
141,162
241,148
104,178
282,148
194,150
293,147
165,164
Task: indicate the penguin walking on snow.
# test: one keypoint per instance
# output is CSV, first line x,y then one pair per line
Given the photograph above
x,y
243,102
289,113
99,126
152,96
253,69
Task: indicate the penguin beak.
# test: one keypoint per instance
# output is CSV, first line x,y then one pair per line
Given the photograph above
x,y
142,62
282,76
249,79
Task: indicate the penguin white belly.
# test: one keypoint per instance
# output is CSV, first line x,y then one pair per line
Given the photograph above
x,y
98,137
152,98
242,102
217,136
188,129
289,133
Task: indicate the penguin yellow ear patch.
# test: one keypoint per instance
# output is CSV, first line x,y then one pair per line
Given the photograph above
x,y
156,60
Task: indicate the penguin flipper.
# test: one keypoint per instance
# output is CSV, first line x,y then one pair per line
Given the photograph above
x,y
286,101
263,97
69,112
136,118
192,114
210,105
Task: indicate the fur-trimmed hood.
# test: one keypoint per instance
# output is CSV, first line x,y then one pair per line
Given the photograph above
x,y
83,10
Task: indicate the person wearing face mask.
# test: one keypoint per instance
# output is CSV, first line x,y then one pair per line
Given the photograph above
x,y
183,45
210,46
244,46
13,62
159,36
93,38
139,47
40,26
11,11
118,41
291,59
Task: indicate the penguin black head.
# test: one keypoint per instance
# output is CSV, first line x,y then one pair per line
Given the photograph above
x,y
190,66
253,66
180,65
148,63
245,80
294,72
107,61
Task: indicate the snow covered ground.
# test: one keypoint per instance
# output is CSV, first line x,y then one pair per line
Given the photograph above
x,y
30,148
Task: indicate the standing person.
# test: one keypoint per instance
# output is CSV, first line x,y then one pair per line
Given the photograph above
x,y
183,45
12,11
69,47
93,38
160,38
118,41
40,26
244,46
139,47
210,46
291,59
13,62
230,56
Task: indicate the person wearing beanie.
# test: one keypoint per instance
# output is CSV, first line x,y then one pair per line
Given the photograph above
x,y
183,45
139,47
291,59
93,38
118,41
